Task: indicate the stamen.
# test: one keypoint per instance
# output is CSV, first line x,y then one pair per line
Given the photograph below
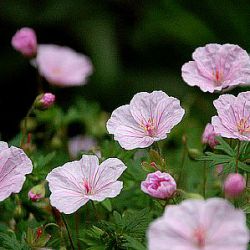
x,y
243,126
149,127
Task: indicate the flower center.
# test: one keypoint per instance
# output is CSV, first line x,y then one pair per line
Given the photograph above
x,y
218,77
243,126
87,186
200,237
149,127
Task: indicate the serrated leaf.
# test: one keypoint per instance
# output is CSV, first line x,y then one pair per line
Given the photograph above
x,y
224,146
243,166
133,243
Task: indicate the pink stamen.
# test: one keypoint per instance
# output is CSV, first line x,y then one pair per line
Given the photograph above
x,y
243,126
149,127
200,237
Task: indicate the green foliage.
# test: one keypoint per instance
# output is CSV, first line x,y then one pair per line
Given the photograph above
x,y
229,156
126,231
9,241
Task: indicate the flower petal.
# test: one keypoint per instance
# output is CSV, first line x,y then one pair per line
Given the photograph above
x,y
13,167
66,186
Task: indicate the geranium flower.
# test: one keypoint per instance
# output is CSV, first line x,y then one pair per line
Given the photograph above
x,y
62,66
213,224
216,67
148,118
14,165
233,120
77,182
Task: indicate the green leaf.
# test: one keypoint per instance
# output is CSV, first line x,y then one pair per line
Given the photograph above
x,y
133,243
224,146
243,166
107,204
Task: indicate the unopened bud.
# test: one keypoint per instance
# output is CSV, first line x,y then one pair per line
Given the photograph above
x,y
234,185
45,101
25,42
193,153
37,192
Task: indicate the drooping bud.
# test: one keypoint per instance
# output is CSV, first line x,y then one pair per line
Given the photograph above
x,y
234,185
25,42
44,101
159,185
37,192
208,136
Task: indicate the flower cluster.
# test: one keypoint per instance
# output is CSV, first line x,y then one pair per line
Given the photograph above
x,y
193,224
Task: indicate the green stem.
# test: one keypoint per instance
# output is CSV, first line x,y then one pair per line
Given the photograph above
x,y
157,146
237,159
67,229
205,179
77,229
24,127
95,210
182,165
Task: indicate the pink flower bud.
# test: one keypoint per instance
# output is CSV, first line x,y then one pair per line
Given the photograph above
x,y
33,196
37,192
25,42
44,101
159,185
234,185
209,135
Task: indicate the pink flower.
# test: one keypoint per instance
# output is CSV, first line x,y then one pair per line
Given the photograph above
x,y
25,42
62,66
14,165
233,120
234,185
159,185
148,118
77,182
209,135
213,224
80,143
216,67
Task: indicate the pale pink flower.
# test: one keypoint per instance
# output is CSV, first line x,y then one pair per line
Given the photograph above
x,y
62,66
216,67
14,165
234,185
233,120
213,224
80,143
208,136
25,42
148,118
77,182
159,185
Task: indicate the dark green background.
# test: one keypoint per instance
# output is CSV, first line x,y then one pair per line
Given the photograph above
x,y
134,45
